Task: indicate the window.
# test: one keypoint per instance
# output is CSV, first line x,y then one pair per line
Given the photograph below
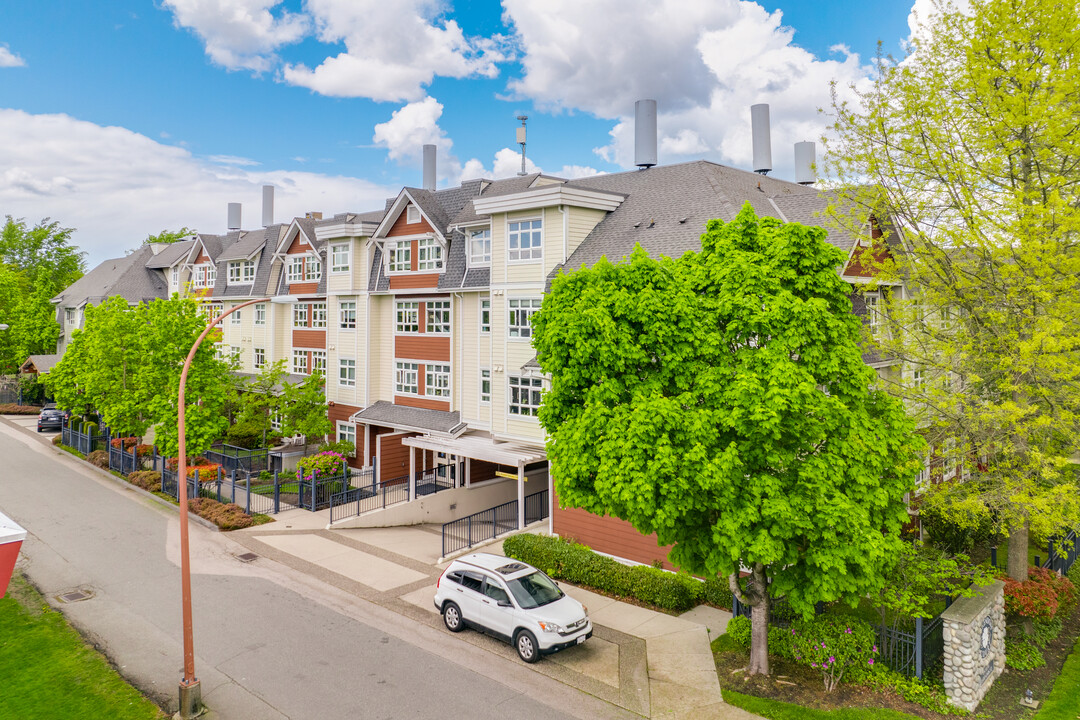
x,y
524,395
408,317
485,386
346,432
347,315
211,275
260,314
69,315
259,357
234,353
873,316
438,317
523,240
437,380
241,272
485,316
918,379
215,311
176,276
275,420
924,473
234,319
346,373
312,269
318,315
412,214
480,247
429,254
405,378
299,315
299,362
295,269
339,257
521,312
318,361
400,256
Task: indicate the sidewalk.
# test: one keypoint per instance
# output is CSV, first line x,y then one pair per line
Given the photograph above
x,y
652,664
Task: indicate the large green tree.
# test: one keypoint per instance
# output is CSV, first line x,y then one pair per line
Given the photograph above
x,y
721,401
261,399
971,148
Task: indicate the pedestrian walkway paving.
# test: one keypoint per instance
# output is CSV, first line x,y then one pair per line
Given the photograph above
x,y
653,664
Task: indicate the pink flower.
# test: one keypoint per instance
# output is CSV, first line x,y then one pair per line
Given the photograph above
x,y
875,648
813,665
871,661
848,631
832,659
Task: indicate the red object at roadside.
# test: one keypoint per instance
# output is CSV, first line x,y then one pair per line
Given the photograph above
x,y
11,539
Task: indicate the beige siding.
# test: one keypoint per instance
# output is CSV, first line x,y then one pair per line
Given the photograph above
x,y
529,429
579,225
382,348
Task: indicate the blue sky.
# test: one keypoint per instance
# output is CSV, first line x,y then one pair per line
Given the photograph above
x,y
127,117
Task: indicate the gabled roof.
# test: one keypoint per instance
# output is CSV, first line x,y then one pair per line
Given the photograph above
x,y
40,364
488,188
171,255
247,244
127,277
428,204
403,417
299,226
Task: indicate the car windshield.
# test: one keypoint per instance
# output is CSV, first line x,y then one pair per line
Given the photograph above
x,y
534,590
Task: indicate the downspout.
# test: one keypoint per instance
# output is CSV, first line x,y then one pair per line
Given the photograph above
x,y
367,330
565,240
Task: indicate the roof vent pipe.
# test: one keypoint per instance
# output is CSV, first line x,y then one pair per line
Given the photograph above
x,y
645,133
429,167
759,127
268,205
805,157
234,216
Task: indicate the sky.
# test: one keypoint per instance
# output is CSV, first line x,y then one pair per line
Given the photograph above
x,y
128,117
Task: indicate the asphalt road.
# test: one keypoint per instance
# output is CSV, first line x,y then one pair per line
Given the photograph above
x,y
269,641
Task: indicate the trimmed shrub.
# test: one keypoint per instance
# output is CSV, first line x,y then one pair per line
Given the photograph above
x,y
1040,596
322,464
342,447
959,531
125,442
246,435
227,516
579,565
13,409
99,458
58,439
90,428
738,629
780,639
834,645
718,593
146,479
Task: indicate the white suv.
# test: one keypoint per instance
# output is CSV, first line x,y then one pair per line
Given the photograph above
x,y
513,601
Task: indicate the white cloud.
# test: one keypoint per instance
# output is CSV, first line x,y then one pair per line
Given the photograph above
x,y
410,128
233,160
392,49
239,34
9,59
705,64
116,186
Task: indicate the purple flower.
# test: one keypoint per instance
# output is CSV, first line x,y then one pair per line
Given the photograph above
x,y
875,648
848,631
832,659
871,661
813,665
823,645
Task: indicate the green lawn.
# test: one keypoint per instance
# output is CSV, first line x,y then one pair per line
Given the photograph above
x,y
47,671
776,710
1064,700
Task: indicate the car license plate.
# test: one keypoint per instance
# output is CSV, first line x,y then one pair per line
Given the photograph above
x,y
581,640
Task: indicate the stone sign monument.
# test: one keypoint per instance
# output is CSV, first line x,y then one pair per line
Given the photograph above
x,y
974,633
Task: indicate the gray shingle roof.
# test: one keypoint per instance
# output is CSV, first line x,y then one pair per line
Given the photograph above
x,y
401,416
247,243
127,277
432,209
489,188
171,255
42,363
806,210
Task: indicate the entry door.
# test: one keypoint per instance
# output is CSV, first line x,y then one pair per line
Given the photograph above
x,y
447,468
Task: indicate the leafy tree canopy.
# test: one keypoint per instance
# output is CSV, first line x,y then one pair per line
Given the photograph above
x,y
170,236
721,401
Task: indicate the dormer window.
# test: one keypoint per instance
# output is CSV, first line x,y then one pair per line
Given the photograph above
x,y
313,269
480,247
400,256
429,254
295,270
412,214
241,272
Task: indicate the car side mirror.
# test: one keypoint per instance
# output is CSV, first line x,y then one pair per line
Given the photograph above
x,y
504,603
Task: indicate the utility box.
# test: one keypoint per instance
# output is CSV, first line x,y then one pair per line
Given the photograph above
x,y
11,540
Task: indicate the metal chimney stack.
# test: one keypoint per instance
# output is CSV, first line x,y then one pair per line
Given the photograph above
x,y
805,157
429,167
759,126
645,133
234,216
268,205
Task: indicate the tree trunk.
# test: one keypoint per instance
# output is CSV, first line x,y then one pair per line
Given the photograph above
x,y
759,637
1018,552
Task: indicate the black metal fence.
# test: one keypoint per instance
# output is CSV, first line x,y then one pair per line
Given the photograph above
x,y
915,652
364,493
85,443
489,524
125,462
1061,553
231,457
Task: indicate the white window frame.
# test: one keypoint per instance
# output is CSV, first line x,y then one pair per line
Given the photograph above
x,y
211,275
412,318
516,384
340,258
318,361
69,315
437,380
485,377
440,309
297,368
234,319
318,315
406,378
399,256
412,214
258,357
294,271
296,308
175,276
515,253
428,255
234,352
518,309
260,313
481,236
241,272
346,432
873,315
312,269
485,316
347,315
346,372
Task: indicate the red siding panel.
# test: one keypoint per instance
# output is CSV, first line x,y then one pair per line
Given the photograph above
x,y
422,347
393,457
422,402
404,282
304,288
609,535
309,339
401,226
338,412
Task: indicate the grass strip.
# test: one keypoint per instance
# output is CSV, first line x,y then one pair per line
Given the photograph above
x,y
49,672
776,710
1064,700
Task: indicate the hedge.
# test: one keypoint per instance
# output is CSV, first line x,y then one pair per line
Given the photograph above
x,y
13,409
577,564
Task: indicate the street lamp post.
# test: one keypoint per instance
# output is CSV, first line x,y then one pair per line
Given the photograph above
x,y
190,690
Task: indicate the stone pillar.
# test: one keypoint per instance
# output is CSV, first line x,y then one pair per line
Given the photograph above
x,y
974,633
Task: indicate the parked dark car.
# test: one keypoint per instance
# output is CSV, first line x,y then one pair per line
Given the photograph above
x,y
50,418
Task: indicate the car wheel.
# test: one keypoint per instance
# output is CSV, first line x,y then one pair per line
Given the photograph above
x,y
527,649
39,429
451,617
